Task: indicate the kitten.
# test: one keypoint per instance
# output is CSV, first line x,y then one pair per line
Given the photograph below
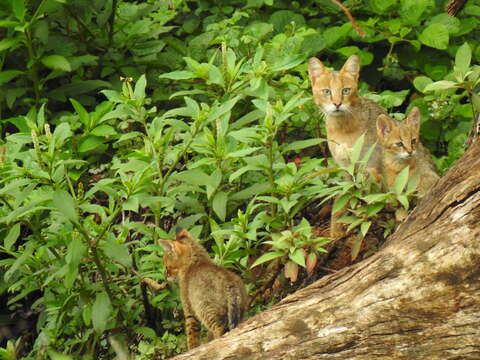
x,y
210,294
401,147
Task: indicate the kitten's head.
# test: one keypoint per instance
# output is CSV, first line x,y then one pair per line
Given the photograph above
x,y
176,257
335,92
399,138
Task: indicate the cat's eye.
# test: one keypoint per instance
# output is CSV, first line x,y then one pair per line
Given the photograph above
x,y
326,91
414,141
399,144
346,91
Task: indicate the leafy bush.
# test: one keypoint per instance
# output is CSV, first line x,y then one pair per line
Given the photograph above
x,y
219,135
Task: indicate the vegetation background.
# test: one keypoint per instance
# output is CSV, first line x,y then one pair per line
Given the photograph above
x,y
120,120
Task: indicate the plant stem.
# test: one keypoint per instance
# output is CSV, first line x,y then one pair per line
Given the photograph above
x,y
33,69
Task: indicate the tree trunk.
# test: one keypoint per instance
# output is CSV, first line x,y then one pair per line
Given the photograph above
x,y
417,298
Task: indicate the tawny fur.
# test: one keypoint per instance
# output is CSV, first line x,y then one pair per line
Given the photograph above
x,y
347,116
210,294
401,147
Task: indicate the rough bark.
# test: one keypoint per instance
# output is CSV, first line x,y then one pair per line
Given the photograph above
x,y
417,298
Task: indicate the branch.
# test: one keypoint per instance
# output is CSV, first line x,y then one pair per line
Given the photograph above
x,y
454,6
357,27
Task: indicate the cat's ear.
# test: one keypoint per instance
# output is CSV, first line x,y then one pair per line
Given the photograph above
x,y
167,245
384,126
315,70
182,233
413,119
352,66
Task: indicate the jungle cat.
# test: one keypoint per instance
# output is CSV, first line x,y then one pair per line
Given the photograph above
x,y
401,147
210,294
347,116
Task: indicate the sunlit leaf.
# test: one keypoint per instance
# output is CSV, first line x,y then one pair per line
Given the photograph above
x,y
219,204
101,312
56,62
267,257
65,204
463,58
12,236
401,180
298,256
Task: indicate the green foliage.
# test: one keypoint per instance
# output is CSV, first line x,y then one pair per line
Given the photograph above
x,y
296,247
122,119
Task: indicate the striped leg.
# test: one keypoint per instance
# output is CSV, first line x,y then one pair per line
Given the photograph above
x,y
192,328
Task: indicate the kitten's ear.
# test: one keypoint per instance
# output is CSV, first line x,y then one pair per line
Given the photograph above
x,y
315,69
182,234
352,66
384,126
413,119
167,245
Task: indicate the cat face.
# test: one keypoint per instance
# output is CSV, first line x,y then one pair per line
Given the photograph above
x,y
335,92
400,139
176,257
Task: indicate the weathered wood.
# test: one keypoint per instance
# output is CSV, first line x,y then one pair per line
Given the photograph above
x,y
417,298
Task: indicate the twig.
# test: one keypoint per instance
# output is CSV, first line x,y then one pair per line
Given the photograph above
x,y
454,6
357,27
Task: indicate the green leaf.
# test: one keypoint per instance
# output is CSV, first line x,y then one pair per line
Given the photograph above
x,y
440,85
298,256
65,204
404,201
18,7
101,311
374,209
18,262
54,355
421,82
436,36
6,76
267,257
219,204
56,62
215,76
400,181
194,177
139,91
61,133
178,75
286,63
242,153
118,252
340,203
12,236
463,58
301,144
357,149
9,23
365,227
82,113
382,6
104,130
476,101
90,143
7,43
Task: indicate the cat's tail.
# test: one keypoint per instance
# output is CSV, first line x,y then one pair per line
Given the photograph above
x,y
235,307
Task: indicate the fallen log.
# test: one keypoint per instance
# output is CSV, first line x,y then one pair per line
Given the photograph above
x,y
417,298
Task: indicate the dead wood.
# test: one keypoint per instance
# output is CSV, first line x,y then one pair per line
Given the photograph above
x,y
417,298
